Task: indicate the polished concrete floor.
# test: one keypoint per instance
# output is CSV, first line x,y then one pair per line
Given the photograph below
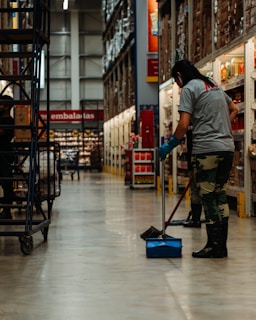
x,y
94,264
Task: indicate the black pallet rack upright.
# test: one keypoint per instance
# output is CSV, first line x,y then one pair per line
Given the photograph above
x,y
23,38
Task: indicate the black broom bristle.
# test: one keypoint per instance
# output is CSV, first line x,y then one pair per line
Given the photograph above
x,y
152,232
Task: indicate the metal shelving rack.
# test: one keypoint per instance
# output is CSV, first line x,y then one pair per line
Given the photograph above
x,y
22,39
140,168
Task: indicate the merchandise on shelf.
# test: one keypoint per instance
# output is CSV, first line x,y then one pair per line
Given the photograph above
x,y
250,15
232,81
252,156
165,47
89,143
117,33
228,24
182,28
201,45
140,168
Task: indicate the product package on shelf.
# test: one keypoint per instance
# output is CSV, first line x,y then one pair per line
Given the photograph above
x,y
228,22
165,48
201,45
140,168
182,28
252,156
250,15
22,118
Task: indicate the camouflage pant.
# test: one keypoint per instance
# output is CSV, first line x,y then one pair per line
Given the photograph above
x,y
211,172
194,191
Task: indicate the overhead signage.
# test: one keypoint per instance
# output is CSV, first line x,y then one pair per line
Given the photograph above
x,y
73,115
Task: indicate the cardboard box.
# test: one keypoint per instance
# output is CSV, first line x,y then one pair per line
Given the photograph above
x,y
22,118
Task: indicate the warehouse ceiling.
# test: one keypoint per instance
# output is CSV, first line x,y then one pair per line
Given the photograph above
x,y
81,5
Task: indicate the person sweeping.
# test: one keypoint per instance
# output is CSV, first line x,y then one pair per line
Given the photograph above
x,y
210,111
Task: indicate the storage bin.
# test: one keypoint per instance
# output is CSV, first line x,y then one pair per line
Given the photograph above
x,y
163,248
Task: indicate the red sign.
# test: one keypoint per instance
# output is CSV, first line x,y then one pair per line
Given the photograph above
x,y
73,115
152,67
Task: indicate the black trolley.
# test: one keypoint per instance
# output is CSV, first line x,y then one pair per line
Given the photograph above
x,y
31,215
22,43
69,163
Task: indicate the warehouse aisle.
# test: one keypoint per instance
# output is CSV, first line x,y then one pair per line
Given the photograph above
x,y
94,266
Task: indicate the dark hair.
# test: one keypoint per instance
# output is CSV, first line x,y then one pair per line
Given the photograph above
x,y
6,100
188,72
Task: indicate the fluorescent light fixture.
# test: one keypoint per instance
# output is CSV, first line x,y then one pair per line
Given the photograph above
x,y
42,71
65,4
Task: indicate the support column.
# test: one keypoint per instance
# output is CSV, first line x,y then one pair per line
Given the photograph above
x,y
74,42
248,121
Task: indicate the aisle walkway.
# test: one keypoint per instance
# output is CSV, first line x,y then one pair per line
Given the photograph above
x,y
94,266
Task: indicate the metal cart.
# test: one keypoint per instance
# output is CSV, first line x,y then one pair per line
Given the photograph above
x,y
24,36
34,208
69,163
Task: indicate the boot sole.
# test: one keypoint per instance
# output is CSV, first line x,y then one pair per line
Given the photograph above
x,y
208,256
191,226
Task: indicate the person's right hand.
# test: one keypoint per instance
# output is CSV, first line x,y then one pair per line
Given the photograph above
x,y
164,150
167,147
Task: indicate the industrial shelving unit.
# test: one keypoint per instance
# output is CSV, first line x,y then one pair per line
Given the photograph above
x,y
24,35
118,69
140,168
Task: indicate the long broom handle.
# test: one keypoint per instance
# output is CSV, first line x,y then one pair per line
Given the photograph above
x,y
163,197
177,205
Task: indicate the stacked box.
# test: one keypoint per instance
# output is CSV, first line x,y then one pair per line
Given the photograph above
x,y
202,30
22,118
182,31
252,155
250,14
195,46
229,21
165,50
222,24
206,47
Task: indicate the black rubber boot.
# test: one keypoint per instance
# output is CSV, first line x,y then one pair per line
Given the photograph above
x,y
225,236
215,244
195,221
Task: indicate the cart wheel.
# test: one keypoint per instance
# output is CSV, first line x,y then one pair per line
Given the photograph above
x,y
45,233
26,244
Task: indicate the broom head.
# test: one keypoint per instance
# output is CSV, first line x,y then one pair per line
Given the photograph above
x,y
152,232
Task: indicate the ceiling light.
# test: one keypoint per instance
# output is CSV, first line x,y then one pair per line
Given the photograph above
x,y
65,4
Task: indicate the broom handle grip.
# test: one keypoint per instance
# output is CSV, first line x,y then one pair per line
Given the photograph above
x,y
177,205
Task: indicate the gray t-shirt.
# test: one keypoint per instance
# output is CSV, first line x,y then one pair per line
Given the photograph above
x,y
210,118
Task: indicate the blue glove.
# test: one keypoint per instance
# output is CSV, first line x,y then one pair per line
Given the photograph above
x,y
167,147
